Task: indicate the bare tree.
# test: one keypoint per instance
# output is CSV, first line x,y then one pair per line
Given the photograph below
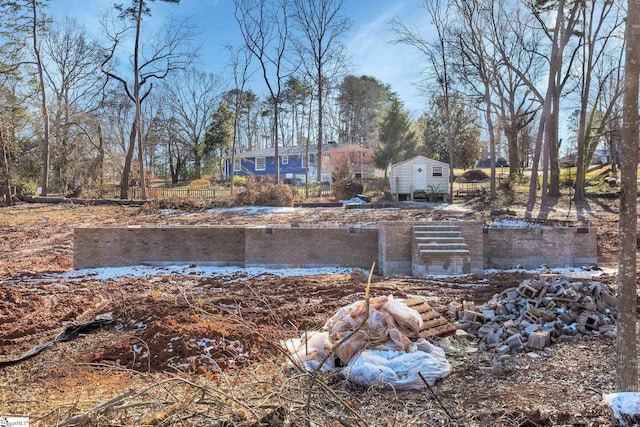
x,y
240,60
438,58
192,97
74,78
164,55
518,102
265,29
600,22
46,153
627,351
547,143
477,66
322,25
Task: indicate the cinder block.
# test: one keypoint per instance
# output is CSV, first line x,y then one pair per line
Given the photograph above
x,y
504,349
454,309
539,340
515,342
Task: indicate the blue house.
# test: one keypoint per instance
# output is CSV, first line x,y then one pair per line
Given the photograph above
x,y
294,163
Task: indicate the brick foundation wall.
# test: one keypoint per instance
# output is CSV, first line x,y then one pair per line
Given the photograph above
x,y
472,233
389,244
118,247
529,248
396,239
311,247
394,247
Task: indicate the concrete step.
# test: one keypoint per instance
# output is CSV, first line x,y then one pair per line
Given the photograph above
x,y
441,233
444,252
439,239
435,227
440,249
442,246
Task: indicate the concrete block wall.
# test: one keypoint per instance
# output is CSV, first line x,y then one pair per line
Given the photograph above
x,y
340,246
532,247
124,246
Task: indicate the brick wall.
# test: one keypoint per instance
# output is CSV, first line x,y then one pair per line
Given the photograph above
x,y
311,246
117,247
529,248
394,247
389,244
396,239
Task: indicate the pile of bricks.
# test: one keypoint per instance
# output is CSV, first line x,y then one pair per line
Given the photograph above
x,y
539,312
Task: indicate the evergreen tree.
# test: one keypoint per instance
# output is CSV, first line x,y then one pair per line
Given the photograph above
x,y
464,133
219,135
397,138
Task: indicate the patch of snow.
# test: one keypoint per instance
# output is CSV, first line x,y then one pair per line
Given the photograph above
x,y
255,210
150,270
512,223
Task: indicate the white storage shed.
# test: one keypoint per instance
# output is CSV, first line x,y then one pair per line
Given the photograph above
x,y
420,177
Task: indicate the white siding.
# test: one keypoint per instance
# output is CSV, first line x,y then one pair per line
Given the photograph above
x,y
401,176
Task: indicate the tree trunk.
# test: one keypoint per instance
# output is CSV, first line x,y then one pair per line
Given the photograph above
x,y
126,171
627,352
514,157
6,172
319,154
275,139
44,183
136,95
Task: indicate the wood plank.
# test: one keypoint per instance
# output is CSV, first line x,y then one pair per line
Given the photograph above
x,y
433,323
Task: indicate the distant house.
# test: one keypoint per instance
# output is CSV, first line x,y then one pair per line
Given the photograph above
x,y
295,163
419,177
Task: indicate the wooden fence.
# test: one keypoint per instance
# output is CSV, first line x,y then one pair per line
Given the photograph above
x,y
135,193
157,193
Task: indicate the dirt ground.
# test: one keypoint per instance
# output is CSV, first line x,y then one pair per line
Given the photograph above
x,y
180,347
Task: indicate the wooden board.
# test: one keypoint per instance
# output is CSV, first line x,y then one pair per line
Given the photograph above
x,y
434,325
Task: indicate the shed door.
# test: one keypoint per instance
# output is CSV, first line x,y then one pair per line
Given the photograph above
x,y
419,177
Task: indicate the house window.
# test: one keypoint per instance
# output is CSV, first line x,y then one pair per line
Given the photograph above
x,y
437,171
302,162
237,166
261,163
285,160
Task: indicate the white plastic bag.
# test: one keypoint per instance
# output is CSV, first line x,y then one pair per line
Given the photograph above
x,y
624,405
396,368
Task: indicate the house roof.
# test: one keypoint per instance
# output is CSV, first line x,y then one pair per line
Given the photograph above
x,y
295,150
423,158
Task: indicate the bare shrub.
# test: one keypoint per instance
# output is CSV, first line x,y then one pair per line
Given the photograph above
x,y
182,203
347,189
265,193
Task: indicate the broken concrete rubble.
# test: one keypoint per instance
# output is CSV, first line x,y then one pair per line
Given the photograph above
x,y
539,312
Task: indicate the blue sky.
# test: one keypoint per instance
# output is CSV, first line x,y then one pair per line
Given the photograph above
x,y
367,43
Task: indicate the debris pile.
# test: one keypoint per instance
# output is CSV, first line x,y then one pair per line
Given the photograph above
x,y
539,312
377,340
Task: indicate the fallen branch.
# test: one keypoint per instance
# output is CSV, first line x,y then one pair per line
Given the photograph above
x,y
111,402
451,417
359,326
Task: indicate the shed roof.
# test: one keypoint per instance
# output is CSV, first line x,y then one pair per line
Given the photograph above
x,y
423,158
